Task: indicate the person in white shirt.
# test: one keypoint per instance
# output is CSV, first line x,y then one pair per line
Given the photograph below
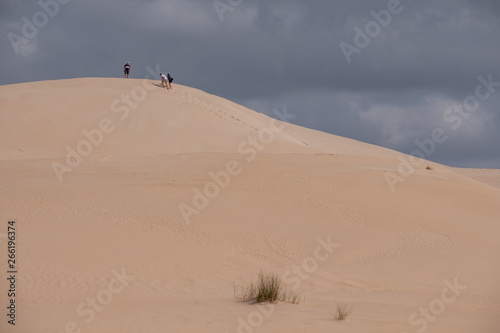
x,y
164,81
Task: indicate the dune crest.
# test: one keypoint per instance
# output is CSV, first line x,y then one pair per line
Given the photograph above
x,y
145,120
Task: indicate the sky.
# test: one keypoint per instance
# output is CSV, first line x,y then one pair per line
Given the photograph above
x,y
390,73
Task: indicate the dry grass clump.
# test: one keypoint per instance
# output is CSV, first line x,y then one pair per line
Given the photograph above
x,y
343,311
268,288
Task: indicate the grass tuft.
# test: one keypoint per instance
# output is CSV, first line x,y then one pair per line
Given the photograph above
x,y
268,288
343,311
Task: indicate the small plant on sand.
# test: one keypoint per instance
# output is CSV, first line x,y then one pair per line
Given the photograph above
x,y
343,311
268,288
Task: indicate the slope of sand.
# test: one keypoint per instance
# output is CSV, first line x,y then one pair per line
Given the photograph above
x,y
491,177
147,122
284,192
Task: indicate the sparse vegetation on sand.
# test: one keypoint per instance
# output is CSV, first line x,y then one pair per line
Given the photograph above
x,y
343,311
268,288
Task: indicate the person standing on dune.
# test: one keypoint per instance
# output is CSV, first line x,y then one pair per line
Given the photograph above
x,y
170,79
126,69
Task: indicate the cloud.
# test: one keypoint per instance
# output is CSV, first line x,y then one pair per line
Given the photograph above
x,y
181,16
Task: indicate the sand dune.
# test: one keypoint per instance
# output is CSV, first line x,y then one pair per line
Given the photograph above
x,y
139,213
145,121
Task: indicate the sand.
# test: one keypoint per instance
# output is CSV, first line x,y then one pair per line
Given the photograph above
x,y
172,198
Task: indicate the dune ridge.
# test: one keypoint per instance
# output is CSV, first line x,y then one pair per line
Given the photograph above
x,y
183,120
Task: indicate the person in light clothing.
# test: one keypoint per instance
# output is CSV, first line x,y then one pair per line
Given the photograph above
x,y
164,81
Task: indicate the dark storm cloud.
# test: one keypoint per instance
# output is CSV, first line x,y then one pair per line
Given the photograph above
x,y
285,52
